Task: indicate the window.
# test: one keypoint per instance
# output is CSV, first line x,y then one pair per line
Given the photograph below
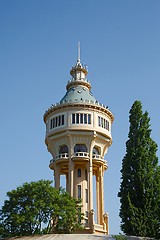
x,y
85,118
102,122
51,123
79,191
62,120
89,118
73,118
86,192
81,118
86,175
77,118
79,172
57,121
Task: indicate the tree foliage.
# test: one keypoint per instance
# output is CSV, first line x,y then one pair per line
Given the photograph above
x,y
36,208
140,187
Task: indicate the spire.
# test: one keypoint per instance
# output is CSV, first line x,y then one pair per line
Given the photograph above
x,y
78,60
78,67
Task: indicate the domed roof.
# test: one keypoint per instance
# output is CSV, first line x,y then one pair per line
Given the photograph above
x,y
78,88
78,93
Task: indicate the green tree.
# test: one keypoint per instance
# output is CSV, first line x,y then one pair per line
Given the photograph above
x,y
37,208
140,186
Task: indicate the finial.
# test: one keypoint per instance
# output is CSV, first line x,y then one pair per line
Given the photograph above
x,y
78,60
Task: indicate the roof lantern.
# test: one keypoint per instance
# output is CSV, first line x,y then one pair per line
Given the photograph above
x,y
78,73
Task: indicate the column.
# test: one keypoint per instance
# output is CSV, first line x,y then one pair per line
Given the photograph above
x,y
97,197
56,176
101,195
90,185
90,193
66,182
71,178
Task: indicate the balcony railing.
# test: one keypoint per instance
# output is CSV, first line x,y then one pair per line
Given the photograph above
x,y
60,156
81,154
97,156
52,161
77,154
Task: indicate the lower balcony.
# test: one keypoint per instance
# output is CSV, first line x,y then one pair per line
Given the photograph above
x,y
99,160
61,156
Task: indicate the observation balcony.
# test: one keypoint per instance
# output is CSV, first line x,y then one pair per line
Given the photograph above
x,y
99,160
61,156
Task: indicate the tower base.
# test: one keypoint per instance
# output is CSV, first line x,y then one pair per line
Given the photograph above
x,y
94,228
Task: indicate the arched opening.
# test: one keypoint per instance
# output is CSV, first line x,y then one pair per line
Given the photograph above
x,y
96,150
80,148
63,149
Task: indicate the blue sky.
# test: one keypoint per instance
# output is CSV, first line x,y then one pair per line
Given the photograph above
x,y
120,43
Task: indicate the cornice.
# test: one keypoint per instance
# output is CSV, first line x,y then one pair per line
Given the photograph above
x,y
97,106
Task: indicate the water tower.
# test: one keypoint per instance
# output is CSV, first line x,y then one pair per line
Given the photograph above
x,y
78,134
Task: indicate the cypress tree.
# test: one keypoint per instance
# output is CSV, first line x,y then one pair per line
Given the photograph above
x,y
140,186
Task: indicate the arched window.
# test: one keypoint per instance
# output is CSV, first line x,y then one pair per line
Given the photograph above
x,y
63,149
96,151
80,148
